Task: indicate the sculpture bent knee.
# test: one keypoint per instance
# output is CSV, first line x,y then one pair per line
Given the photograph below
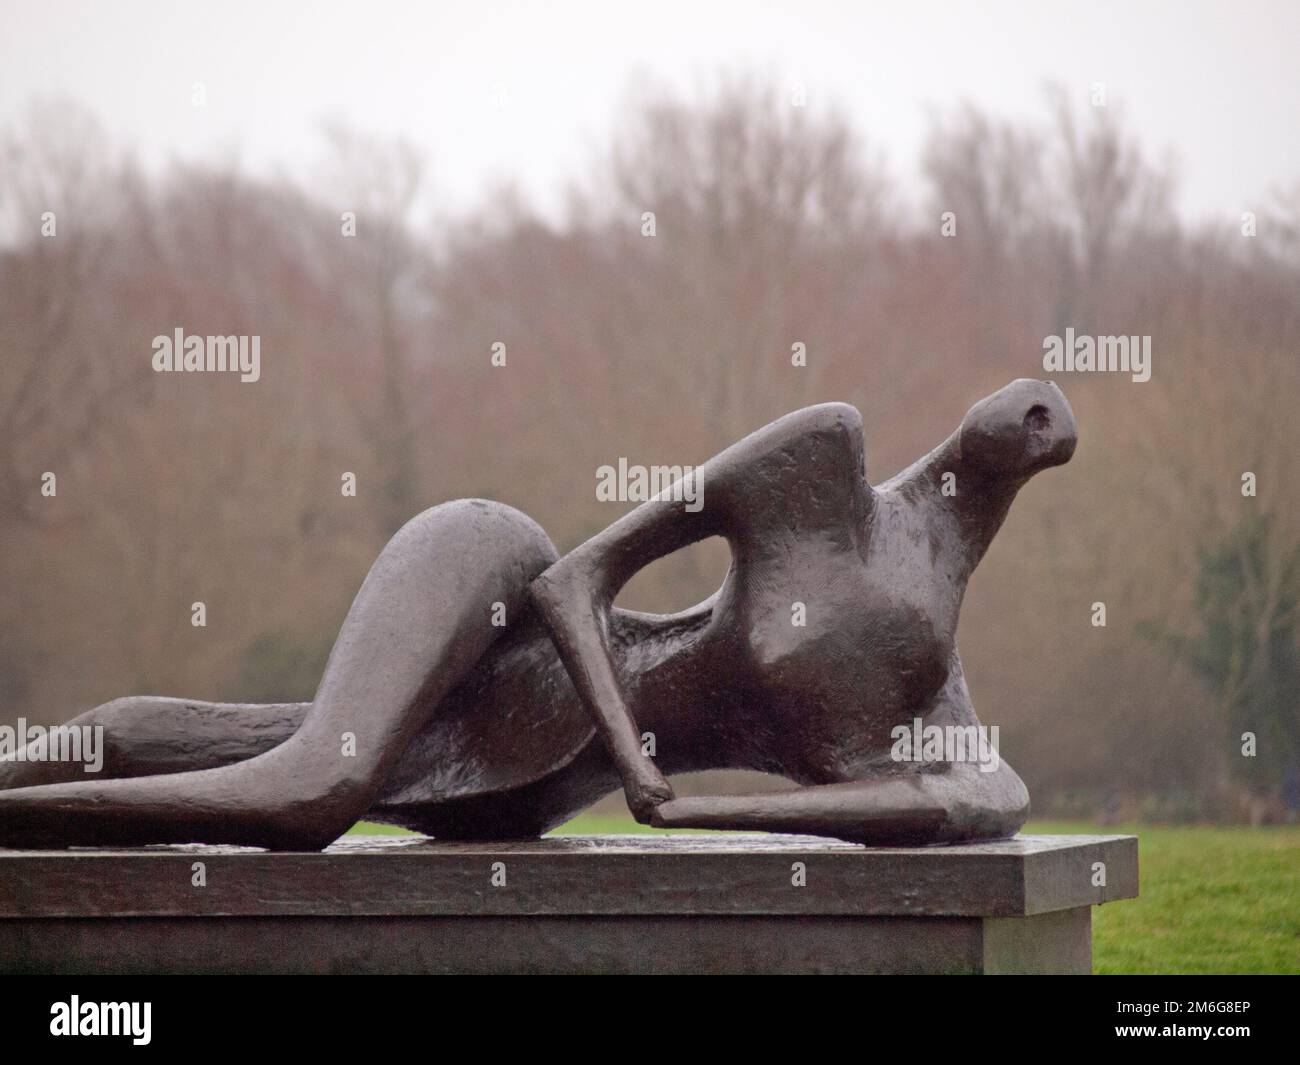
x,y
434,715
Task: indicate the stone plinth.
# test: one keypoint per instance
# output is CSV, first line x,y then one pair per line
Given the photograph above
x,y
611,904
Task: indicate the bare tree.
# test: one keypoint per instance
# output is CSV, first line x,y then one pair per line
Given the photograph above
x,y
1105,193
380,182
61,190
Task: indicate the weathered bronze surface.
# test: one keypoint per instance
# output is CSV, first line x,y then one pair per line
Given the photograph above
x,y
431,716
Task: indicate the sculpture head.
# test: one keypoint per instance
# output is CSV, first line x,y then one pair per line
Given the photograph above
x,y
1017,431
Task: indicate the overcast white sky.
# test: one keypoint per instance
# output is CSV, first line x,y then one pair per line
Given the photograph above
x,y
517,91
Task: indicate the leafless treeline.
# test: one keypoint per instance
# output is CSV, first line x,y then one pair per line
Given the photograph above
x,y
773,225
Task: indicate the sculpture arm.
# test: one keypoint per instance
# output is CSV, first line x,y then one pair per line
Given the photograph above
x,y
575,597
912,808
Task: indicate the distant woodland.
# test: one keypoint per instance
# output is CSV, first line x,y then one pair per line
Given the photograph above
x,y
661,340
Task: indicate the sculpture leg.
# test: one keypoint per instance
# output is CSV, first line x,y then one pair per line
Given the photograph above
x,y
424,615
147,734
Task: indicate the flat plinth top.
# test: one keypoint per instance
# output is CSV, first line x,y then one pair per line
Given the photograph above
x,y
592,875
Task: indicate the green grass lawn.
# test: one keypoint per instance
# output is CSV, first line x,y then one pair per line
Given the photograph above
x,y
1212,900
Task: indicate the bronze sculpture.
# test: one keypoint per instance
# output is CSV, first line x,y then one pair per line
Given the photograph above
x,y
430,716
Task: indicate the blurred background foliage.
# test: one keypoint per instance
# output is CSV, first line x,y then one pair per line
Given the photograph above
x,y
773,225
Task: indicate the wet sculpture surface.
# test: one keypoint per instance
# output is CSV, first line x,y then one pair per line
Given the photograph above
x,y
433,715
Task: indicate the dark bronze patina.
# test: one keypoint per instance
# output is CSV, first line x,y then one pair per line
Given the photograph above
x,y
432,717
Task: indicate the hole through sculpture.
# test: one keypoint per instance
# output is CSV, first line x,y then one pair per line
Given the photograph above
x,y
834,626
